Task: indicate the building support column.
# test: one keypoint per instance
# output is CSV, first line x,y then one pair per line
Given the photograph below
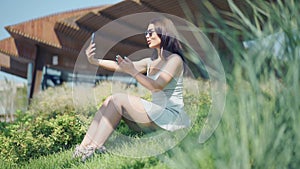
x,y
29,77
37,74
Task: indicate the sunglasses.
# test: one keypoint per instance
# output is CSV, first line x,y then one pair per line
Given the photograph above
x,y
149,32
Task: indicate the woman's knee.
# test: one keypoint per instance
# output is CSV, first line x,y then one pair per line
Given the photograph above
x,y
107,101
114,102
119,99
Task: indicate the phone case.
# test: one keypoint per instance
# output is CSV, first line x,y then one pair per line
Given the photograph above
x,y
93,37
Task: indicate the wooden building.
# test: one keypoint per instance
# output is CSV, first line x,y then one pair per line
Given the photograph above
x,y
55,41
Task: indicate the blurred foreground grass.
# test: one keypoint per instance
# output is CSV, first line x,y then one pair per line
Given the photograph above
x,y
260,126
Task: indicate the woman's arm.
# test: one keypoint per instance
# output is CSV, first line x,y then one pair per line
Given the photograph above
x,y
106,64
110,65
170,70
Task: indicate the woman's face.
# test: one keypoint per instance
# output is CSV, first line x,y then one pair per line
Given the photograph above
x,y
152,38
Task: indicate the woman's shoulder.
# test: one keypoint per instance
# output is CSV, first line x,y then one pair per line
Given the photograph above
x,y
175,56
174,61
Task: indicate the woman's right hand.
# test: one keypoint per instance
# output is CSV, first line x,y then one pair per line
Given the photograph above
x,y
90,53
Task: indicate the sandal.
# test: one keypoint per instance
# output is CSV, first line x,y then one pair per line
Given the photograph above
x,y
87,153
101,150
78,152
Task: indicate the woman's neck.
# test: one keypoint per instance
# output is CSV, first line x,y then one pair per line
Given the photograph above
x,y
160,53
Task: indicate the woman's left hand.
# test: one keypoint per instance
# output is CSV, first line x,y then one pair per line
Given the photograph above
x,y
126,65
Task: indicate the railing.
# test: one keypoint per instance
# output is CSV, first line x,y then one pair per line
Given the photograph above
x,y
8,99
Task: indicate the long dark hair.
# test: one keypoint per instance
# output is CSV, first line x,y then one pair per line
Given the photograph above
x,y
168,34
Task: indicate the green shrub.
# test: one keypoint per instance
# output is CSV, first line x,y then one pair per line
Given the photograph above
x,y
31,138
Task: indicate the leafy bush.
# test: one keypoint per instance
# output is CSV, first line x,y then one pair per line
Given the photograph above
x,y
30,137
53,123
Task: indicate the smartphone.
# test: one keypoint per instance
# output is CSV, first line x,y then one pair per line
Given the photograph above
x,y
93,37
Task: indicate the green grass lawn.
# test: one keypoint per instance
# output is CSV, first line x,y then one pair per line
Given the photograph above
x,y
64,160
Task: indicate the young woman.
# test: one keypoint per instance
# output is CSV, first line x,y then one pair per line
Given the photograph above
x,y
164,78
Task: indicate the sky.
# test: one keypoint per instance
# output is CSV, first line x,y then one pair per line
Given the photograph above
x,y
17,11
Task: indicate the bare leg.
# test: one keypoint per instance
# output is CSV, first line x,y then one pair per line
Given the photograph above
x,y
113,110
87,140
